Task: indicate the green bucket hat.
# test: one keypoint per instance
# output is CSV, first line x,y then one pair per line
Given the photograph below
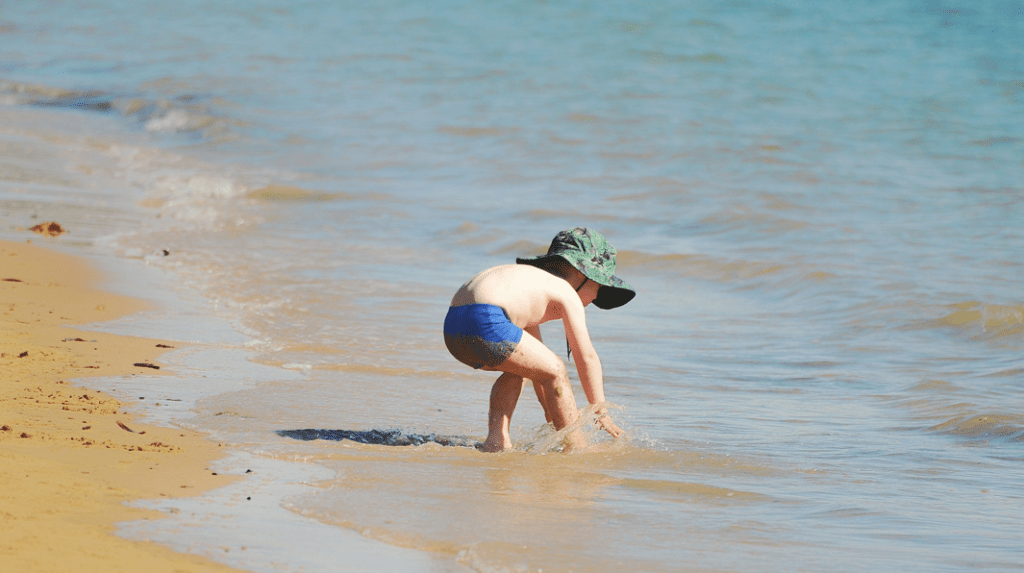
x,y
593,256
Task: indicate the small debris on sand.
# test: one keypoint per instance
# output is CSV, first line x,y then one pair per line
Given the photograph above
x,y
146,365
127,429
51,228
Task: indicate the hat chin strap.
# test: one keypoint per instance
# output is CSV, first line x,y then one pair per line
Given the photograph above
x,y
568,351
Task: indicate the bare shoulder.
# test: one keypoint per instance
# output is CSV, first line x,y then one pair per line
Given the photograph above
x,y
529,279
518,277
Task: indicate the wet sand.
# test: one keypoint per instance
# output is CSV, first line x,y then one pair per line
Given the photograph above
x,y
72,457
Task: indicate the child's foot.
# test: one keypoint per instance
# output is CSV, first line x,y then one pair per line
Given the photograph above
x,y
495,445
574,442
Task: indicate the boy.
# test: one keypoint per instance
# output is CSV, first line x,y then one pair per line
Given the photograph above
x,y
493,324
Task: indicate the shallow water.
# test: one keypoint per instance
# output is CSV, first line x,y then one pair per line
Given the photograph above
x,y
819,206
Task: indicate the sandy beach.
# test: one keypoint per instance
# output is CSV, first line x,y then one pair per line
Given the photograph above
x,y
72,456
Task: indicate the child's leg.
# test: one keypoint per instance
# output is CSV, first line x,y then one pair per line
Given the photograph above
x,y
539,390
537,387
504,397
531,359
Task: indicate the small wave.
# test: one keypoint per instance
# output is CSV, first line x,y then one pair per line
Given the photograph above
x,y
46,96
984,427
463,131
297,366
745,218
178,120
1005,373
288,193
158,115
202,200
939,386
942,407
186,193
196,187
657,57
990,141
382,370
547,440
521,249
681,490
719,270
988,320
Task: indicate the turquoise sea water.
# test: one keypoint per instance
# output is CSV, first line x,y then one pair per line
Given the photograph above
x,y
820,206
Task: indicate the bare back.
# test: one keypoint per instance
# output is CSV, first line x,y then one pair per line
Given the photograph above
x,y
528,295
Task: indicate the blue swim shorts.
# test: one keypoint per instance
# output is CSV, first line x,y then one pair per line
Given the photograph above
x,y
480,335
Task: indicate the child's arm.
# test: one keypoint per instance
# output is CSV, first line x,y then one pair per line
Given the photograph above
x,y
588,364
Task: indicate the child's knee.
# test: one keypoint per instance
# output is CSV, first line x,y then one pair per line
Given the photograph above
x,y
561,373
557,378
556,372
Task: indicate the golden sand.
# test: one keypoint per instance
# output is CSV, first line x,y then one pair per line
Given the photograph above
x,y
70,457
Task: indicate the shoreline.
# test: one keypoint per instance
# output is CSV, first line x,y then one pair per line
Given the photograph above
x,y
73,457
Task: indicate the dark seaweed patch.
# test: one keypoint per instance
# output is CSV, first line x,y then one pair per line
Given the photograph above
x,y
377,437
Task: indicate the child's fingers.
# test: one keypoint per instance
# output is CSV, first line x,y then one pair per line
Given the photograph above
x,y
609,426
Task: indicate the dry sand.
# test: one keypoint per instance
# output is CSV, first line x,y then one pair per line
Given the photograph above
x,y
71,457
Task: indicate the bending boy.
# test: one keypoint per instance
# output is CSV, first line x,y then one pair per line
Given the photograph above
x,y
493,324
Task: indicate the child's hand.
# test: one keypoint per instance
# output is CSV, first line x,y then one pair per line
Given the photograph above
x,y
607,425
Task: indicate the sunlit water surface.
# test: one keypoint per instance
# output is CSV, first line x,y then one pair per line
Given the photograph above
x,y
820,207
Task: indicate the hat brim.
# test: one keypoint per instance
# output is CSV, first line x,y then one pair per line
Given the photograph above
x,y
614,296
613,293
